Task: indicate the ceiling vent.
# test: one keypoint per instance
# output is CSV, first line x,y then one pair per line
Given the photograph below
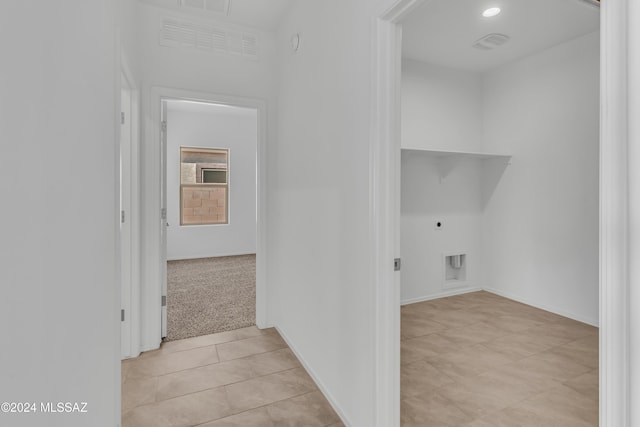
x,y
594,3
179,33
491,41
216,6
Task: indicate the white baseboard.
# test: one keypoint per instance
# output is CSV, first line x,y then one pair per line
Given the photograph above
x,y
450,293
563,313
265,326
323,389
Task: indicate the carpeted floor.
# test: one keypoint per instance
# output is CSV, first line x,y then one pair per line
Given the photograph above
x,y
210,295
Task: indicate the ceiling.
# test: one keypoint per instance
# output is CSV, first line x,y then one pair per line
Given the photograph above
x,y
443,31
261,14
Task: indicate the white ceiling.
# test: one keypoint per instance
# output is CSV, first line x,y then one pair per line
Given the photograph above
x,y
261,14
442,31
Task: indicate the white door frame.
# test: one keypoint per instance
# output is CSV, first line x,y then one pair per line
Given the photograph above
x,y
125,210
130,293
615,144
615,352
153,270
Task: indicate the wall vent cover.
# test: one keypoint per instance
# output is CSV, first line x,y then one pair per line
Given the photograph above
x,y
490,41
179,33
215,6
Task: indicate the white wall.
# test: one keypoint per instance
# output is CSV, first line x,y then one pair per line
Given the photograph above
x,y
58,264
541,225
441,107
634,216
126,32
321,293
456,201
213,126
537,239
196,71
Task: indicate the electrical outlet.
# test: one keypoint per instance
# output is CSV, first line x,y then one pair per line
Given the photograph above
x,y
439,225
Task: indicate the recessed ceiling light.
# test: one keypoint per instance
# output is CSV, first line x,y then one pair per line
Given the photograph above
x,y
492,11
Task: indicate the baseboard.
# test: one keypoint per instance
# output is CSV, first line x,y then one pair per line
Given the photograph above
x,y
450,293
588,321
209,256
265,326
323,389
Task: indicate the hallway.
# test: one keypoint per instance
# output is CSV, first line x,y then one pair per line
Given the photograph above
x,y
246,377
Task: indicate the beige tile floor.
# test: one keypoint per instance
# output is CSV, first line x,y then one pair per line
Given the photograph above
x,y
482,360
247,377
469,360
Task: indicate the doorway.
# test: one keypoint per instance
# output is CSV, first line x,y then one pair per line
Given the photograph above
x,y
386,164
210,199
499,125
154,286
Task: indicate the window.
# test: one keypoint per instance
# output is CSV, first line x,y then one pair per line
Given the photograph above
x,y
204,186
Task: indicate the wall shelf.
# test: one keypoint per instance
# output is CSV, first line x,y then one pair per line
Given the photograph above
x,y
448,160
460,154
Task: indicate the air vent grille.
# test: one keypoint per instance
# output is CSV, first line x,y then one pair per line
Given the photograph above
x,y
215,6
491,41
178,33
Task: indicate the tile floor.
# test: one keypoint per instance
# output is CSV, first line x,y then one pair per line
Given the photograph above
x,y
246,377
479,360
471,360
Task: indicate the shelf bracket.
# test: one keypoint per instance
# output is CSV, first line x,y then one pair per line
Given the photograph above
x,y
446,164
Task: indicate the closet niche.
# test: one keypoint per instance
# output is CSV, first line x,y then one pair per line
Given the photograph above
x,y
447,181
473,217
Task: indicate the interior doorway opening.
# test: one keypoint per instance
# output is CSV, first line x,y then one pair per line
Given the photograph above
x,y
614,284
210,190
485,99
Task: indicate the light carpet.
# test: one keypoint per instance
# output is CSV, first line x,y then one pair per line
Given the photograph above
x,y
210,295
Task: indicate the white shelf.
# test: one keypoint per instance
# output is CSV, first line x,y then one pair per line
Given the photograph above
x,y
459,154
448,160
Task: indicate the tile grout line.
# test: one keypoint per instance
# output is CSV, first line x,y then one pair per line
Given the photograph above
x,y
220,386
209,345
214,363
257,407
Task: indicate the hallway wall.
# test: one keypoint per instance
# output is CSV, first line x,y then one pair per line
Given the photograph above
x,y
321,292
58,267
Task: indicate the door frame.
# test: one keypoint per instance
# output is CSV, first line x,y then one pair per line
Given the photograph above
x,y
151,294
130,297
615,410
125,210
